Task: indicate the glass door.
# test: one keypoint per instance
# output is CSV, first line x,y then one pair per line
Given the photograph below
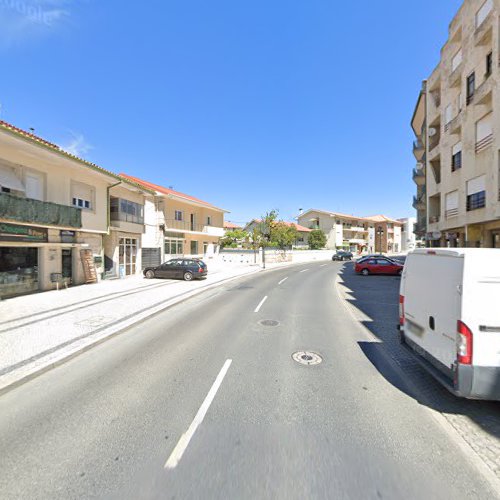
x,y
128,255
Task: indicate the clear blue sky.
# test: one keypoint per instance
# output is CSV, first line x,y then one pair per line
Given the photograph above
x,y
248,105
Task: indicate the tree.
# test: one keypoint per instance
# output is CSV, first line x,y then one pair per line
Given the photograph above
x,y
283,235
317,239
232,238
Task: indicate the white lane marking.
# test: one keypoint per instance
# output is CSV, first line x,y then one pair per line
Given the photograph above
x,y
283,280
257,309
304,270
180,448
323,265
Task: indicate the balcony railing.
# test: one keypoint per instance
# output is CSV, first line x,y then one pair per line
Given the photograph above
x,y
483,92
39,212
484,143
418,176
456,76
189,226
483,32
455,125
418,149
419,202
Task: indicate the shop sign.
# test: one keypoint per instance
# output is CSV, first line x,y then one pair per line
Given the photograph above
x,y
68,236
12,232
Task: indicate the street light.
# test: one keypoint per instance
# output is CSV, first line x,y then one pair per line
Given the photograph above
x,y
380,232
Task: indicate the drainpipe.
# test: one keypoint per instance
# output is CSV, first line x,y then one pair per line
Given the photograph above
x,y
108,205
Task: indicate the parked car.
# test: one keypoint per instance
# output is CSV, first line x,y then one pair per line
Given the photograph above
x,y
450,320
378,266
186,269
342,255
377,256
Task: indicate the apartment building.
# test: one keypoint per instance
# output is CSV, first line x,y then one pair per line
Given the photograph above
x,y
357,234
178,224
408,234
55,215
458,129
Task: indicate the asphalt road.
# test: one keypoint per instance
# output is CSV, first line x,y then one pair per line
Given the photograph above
x,y
203,401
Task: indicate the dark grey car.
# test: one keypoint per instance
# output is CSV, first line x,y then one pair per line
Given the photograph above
x,y
186,269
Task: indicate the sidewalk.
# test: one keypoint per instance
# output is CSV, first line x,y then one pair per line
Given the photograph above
x,y
39,331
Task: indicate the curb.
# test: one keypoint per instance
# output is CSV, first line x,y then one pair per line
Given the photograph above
x,y
470,454
20,376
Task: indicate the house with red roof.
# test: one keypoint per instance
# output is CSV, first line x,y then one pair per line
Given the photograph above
x,y
63,219
358,234
179,224
231,226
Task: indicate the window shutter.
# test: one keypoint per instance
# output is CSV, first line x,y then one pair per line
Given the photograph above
x,y
476,185
484,127
452,201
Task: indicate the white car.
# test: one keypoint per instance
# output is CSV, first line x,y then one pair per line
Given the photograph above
x,y
450,317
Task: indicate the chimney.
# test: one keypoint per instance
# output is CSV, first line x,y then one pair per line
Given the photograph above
x,y
300,212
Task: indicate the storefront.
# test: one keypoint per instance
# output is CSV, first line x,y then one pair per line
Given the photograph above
x,y
19,258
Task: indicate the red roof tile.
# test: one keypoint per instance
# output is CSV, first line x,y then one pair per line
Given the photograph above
x,y
231,225
165,190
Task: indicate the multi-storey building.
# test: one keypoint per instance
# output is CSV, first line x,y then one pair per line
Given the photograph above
x,y
55,215
357,234
408,234
460,133
179,224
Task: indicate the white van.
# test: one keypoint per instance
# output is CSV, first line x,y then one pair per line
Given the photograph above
x,y
450,317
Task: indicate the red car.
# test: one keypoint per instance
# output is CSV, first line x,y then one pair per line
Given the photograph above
x,y
378,266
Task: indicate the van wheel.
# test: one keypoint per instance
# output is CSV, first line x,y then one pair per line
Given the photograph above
x,y
188,276
150,274
365,272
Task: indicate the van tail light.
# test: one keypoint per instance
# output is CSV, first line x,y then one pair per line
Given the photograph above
x,y
401,310
464,344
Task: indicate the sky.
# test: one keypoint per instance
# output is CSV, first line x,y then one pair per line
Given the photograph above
x,y
251,106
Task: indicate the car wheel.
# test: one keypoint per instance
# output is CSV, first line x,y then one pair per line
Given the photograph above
x,y
188,276
365,272
150,274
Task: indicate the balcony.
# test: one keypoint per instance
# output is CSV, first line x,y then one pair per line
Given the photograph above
x,y
455,126
455,78
484,32
433,219
419,202
39,212
418,177
418,149
483,93
191,227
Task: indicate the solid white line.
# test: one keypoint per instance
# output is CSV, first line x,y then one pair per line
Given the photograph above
x,y
304,270
183,443
257,309
323,265
283,280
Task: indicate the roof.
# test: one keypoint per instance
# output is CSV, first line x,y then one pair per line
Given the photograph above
x,y
382,218
170,192
231,225
337,214
35,139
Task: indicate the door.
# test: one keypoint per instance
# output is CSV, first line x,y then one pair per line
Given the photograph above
x,y
166,270
193,225
496,240
384,267
67,263
194,248
128,255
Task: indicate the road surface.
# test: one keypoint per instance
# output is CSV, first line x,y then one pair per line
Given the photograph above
x,y
205,401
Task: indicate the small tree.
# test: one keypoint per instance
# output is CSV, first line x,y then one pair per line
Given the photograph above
x,y
232,238
283,235
317,239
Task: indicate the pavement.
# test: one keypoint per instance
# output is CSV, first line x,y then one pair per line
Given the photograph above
x,y
39,331
374,303
205,401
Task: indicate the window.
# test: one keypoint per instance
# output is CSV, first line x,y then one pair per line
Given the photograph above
x,y
456,156
174,246
451,204
471,87
484,132
178,215
5,190
447,115
383,262
489,64
82,195
126,211
456,61
483,12
476,193
209,221
78,202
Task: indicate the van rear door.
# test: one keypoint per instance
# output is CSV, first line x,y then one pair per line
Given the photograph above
x,y
432,304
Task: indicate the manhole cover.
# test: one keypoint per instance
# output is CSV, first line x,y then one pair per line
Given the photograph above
x,y
269,322
307,358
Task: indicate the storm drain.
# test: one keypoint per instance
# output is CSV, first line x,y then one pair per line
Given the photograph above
x,y
307,358
269,322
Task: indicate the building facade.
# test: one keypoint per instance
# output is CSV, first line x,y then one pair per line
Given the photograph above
x,y
408,234
357,234
178,224
461,135
54,214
